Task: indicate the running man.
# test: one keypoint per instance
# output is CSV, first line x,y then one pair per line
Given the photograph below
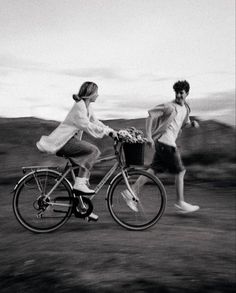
x,y
163,126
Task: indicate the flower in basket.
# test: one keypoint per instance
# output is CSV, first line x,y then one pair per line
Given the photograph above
x,y
131,135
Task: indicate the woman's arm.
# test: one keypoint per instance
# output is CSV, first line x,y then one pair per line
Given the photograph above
x,y
83,122
94,119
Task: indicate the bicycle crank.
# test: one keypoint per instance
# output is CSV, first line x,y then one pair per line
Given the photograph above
x,y
82,207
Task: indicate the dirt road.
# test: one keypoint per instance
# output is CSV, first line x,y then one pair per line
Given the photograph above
x,y
194,253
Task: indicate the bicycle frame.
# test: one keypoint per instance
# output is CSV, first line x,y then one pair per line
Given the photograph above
x,y
100,184
118,164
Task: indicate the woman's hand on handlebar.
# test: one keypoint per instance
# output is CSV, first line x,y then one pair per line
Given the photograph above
x,y
114,134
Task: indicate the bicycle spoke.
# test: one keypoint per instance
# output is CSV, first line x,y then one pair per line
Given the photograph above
x,y
142,210
37,212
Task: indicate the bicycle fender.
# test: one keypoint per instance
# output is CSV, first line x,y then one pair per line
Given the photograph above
x,y
22,178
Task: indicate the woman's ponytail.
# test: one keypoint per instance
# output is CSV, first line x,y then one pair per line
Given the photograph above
x,y
76,98
86,90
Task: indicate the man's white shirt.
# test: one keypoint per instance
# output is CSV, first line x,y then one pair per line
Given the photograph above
x,y
170,135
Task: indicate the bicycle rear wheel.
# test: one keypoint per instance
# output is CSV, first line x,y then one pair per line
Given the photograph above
x,y
150,204
37,213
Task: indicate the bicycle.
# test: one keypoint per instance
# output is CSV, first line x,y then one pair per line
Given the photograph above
x,y
44,200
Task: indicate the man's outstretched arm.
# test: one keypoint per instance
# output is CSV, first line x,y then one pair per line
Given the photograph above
x,y
149,122
192,123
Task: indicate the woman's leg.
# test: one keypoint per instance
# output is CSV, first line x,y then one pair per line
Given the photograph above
x,y
83,172
83,154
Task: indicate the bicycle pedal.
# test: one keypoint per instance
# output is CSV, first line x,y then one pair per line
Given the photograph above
x,y
92,217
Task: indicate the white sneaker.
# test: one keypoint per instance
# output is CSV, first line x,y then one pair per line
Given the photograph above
x,y
129,200
185,208
81,186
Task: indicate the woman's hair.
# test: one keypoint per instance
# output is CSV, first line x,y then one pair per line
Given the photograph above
x,y
181,85
87,89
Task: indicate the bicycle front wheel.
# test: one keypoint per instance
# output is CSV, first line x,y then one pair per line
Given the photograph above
x,y
145,209
36,212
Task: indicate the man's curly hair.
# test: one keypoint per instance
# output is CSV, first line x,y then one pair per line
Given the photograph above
x,y
181,85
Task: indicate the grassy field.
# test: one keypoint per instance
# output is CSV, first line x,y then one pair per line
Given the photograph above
x,y
194,253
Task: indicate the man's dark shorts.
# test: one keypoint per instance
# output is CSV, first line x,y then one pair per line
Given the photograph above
x,y
166,158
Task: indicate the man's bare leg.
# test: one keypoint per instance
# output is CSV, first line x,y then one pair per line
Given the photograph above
x,y
181,205
141,181
179,185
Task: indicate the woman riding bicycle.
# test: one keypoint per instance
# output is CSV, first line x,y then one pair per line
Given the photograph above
x,y
66,139
44,198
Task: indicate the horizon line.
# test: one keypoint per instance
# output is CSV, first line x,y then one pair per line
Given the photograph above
x,y
115,119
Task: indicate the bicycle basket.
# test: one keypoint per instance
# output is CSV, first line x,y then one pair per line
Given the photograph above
x,y
134,153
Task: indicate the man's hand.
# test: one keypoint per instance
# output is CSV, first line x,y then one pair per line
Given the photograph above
x,y
195,124
150,142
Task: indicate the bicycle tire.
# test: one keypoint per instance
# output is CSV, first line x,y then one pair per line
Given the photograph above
x,y
28,202
150,206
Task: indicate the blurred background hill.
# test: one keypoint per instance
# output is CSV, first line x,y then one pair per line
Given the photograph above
x,y
208,152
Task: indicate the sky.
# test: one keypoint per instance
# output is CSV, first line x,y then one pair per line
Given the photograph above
x,y
133,49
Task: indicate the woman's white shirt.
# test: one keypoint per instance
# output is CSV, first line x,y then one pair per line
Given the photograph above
x,y
79,119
